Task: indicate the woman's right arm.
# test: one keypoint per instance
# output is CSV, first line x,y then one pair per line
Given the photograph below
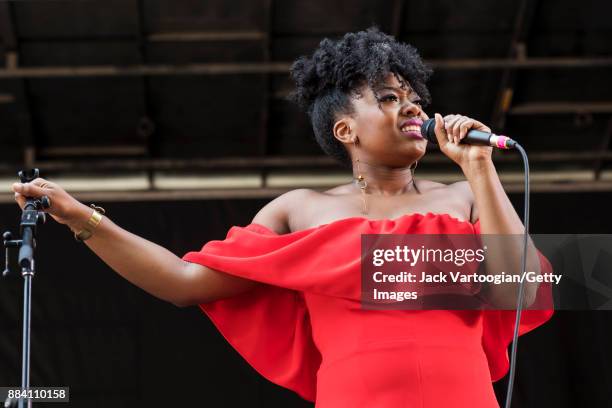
x,y
144,263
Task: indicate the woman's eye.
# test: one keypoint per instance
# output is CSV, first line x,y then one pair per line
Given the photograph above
x,y
417,102
389,98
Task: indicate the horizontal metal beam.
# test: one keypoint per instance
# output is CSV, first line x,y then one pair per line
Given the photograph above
x,y
149,70
139,181
141,186
258,193
283,67
520,63
539,108
183,164
202,36
310,162
92,151
558,156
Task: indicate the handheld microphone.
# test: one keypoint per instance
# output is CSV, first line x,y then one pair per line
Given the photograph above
x,y
473,137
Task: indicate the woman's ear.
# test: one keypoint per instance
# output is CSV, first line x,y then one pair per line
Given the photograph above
x,y
344,130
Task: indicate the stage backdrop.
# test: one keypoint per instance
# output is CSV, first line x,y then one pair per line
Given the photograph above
x,y
116,346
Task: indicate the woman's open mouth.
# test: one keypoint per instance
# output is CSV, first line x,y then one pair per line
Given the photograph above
x,y
412,131
412,128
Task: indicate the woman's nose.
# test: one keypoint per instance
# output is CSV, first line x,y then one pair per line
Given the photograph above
x,y
411,109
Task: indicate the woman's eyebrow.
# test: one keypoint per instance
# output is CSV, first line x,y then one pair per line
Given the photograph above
x,y
396,89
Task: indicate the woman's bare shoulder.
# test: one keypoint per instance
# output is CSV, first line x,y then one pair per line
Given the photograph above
x,y
464,188
275,214
428,185
456,187
298,195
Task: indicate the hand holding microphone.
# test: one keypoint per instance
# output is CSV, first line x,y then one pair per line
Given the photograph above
x,y
473,136
464,140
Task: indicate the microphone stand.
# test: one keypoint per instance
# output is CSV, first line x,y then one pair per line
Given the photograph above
x,y
31,216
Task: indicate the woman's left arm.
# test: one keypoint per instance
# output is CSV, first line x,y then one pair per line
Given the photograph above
x,y
499,220
495,211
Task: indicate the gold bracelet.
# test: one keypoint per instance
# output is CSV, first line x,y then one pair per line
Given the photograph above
x,y
92,223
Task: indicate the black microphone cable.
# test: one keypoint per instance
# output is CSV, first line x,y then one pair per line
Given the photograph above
x,y
519,306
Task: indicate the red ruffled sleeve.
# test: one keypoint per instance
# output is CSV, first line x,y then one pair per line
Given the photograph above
x,y
498,325
269,326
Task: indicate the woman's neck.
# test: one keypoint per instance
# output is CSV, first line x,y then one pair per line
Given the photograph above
x,y
383,180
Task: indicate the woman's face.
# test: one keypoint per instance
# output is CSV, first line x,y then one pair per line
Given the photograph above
x,y
387,122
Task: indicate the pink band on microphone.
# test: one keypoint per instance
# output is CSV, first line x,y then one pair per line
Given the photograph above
x,y
502,142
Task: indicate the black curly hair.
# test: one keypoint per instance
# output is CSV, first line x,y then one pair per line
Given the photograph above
x,y
337,71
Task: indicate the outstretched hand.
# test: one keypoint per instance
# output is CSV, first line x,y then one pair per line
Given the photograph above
x,y
64,208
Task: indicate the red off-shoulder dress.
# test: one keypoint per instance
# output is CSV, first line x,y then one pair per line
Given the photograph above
x,y
305,329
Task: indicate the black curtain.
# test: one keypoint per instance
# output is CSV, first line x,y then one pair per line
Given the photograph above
x,y
116,346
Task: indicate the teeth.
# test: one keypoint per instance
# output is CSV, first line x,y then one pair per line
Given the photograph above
x,y
411,128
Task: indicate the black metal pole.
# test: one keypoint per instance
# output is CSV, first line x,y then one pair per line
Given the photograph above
x,y
27,315
31,216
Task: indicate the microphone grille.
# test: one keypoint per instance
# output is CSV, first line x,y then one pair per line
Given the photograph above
x,y
428,130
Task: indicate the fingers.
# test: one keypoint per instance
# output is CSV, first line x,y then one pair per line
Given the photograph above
x,y
451,127
20,200
457,127
439,122
41,182
36,188
454,128
439,129
463,126
481,126
28,190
